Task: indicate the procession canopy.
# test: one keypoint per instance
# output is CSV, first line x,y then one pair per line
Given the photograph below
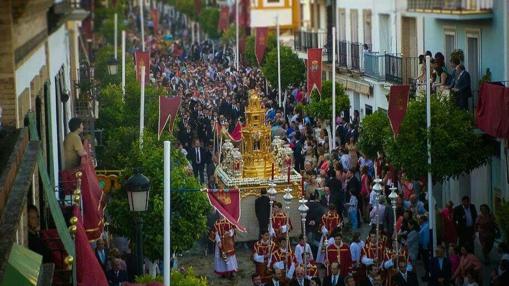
x,y
256,144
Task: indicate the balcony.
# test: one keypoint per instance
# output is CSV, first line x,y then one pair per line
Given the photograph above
x,y
304,40
401,70
374,65
453,9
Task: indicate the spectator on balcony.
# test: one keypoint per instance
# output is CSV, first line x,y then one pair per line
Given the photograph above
x,y
462,87
73,148
442,77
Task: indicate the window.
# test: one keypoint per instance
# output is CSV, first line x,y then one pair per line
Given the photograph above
x,y
367,26
472,62
369,109
354,25
385,40
450,44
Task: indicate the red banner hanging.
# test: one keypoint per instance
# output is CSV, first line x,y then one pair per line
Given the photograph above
x,y
314,70
89,271
244,13
224,19
398,101
142,59
197,7
155,19
227,203
168,109
493,110
261,43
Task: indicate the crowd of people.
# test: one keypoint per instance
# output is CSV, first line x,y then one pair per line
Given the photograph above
x,y
338,184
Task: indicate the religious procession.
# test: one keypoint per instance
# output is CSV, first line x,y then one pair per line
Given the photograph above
x,y
279,143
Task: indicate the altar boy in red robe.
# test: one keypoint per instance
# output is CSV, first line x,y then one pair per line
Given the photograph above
x,y
339,252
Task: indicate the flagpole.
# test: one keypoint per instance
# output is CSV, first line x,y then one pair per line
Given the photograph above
x,y
333,88
237,56
431,203
115,35
142,106
123,65
278,62
142,26
167,212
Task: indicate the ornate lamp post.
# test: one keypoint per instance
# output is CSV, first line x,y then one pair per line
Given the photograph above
x,y
393,196
138,189
303,210
378,190
288,200
271,192
112,66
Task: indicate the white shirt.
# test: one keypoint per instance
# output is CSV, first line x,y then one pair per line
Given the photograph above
x,y
356,250
299,253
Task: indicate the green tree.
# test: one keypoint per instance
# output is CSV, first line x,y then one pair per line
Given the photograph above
x,y
209,19
374,131
455,147
186,7
321,106
292,68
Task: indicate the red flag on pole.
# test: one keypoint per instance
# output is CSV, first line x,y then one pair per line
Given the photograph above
x,y
261,43
314,70
398,101
227,203
244,13
168,109
224,19
142,59
197,7
155,19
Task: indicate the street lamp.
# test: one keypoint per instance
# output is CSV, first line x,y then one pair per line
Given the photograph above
x,y
112,66
393,196
138,189
303,210
377,188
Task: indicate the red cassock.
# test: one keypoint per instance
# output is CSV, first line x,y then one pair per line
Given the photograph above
x,y
330,220
342,255
278,221
263,249
280,255
222,227
312,269
369,250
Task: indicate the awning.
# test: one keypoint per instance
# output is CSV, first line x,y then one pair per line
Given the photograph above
x,y
23,267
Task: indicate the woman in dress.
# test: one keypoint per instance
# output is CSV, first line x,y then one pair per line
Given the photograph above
x,y
365,190
486,226
468,263
352,151
446,215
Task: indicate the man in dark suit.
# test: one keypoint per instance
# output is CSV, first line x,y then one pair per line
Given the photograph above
x,y
354,188
372,272
278,278
262,210
334,279
197,157
101,253
116,276
465,216
462,87
314,216
440,268
300,279
404,277
336,191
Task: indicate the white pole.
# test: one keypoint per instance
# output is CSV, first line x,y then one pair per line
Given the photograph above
x,y
237,56
167,213
142,26
142,106
278,62
333,88
431,203
123,65
115,35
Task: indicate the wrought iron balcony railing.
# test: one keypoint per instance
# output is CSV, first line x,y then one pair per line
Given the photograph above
x,y
451,6
303,40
